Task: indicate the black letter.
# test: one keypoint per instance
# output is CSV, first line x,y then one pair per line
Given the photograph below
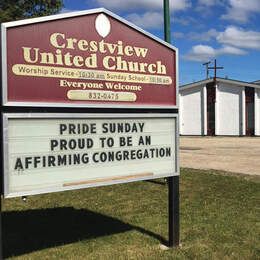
x,y
104,126
18,164
54,143
63,127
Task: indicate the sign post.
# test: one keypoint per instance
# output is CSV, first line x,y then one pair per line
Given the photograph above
x,y
173,181
1,229
1,192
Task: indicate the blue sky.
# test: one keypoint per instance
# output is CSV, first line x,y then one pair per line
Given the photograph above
x,y
228,30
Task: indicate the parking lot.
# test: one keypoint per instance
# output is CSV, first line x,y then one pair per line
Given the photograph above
x,y
232,154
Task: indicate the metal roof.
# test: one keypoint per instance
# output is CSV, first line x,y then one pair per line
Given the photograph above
x,y
221,80
256,82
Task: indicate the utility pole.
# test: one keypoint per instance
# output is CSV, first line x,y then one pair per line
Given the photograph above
x,y
215,68
207,68
167,25
173,181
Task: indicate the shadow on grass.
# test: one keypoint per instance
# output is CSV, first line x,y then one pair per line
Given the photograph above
x,y
159,182
32,230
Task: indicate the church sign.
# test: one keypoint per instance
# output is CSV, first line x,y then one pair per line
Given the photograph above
x,y
47,152
69,82
90,60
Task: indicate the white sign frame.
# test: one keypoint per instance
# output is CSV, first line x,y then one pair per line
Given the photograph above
x,y
7,116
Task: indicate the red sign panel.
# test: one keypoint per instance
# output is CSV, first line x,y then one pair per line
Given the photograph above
x,y
90,59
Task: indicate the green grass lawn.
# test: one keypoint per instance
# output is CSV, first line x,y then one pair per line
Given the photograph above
x,y
219,220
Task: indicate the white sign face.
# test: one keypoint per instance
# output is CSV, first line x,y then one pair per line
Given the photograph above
x,y
46,153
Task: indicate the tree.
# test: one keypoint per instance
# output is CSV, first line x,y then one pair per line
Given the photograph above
x,y
12,10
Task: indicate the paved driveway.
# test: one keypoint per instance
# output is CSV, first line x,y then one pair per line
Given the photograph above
x,y
234,154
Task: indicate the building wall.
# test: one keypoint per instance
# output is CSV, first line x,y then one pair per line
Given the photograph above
x,y
229,110
192,111
257,112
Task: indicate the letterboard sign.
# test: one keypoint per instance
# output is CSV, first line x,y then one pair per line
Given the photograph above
x,y
47,152
90,59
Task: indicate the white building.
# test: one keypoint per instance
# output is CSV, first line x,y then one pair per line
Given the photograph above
x,y
220,107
